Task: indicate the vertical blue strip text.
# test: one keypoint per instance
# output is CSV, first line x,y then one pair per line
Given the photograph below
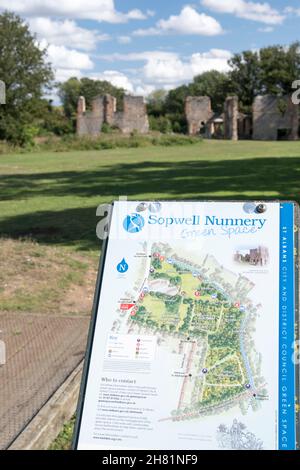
x,y
286,418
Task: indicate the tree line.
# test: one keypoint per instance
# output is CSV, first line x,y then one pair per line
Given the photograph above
x,y
28,77
270,70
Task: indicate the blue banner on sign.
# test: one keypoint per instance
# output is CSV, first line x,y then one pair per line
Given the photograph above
x,y
286,418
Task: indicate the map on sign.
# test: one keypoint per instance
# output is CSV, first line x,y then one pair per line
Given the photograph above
x,y
206,310
188,338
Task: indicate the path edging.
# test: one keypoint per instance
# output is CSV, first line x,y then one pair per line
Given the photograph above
x,y
47,424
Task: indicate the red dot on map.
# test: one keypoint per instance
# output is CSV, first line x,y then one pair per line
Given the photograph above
x,y
162,258
133,314
197,293
237,304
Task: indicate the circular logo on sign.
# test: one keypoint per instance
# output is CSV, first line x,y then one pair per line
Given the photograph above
x,y
133,223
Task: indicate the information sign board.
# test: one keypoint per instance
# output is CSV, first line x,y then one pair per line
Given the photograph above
x,y
193,342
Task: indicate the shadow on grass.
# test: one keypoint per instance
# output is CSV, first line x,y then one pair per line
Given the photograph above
x,y
257,178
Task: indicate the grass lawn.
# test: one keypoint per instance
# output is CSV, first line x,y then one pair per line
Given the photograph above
x,y
52,197
64,439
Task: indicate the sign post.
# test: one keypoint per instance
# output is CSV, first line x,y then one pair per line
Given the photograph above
x,y
192,343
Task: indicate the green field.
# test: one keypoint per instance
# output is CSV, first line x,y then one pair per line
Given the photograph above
x,y
52,197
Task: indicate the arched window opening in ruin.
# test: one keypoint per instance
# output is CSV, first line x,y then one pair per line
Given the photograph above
x,y
203,128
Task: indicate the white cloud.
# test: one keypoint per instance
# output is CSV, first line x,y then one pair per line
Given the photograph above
x,y
139,56
67,62
99,10
133,15
124,39
151,13
262,12
160,69
61,57
189,21
165,68
292,11
118,79
267,29
134,86
66,33
62,75
144,89
175,70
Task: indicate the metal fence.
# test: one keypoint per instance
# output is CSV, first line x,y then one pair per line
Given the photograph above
x,y
41,352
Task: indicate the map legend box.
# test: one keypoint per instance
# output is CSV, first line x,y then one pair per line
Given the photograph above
x,y
130,347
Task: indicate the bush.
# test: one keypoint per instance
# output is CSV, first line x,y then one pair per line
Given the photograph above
x,y
161,124
170,140
56,123
105,142
106,128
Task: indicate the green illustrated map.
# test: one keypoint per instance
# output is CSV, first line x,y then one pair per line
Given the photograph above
x,y
202,312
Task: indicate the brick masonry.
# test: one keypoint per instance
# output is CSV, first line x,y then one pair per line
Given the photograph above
x,y
104,110
275,118
231,116
198,112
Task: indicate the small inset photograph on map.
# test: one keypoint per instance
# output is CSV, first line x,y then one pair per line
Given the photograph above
x,y
252,256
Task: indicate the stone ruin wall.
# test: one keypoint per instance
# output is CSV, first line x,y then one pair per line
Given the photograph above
x,y
272,114
197,111
104,110
231,116
272,118
199,114
90,123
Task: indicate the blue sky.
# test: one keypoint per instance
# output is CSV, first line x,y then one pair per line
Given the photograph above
x,y
143,45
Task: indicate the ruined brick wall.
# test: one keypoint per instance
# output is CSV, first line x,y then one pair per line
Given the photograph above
x,y
104,110
231,114
89,123
197,111
273,116
110,108
134,116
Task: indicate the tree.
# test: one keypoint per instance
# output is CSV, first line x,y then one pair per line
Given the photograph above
x,y
174,103
216,85
155,102
53,120
69,93
280,66
26,74
72,89
245,76
271,70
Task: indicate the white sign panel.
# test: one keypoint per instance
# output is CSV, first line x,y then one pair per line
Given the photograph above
x,y
193,334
